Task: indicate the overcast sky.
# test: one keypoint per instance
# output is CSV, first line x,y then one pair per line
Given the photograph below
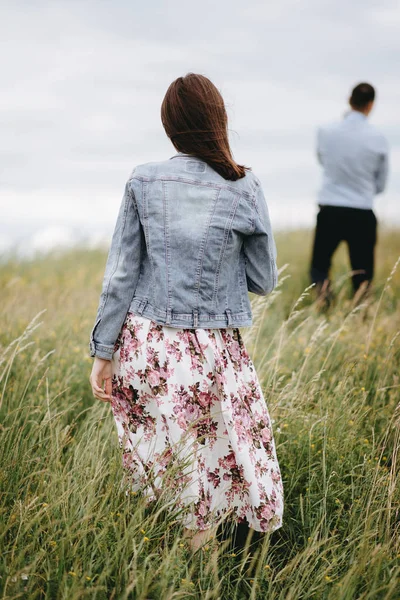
x,y
82,84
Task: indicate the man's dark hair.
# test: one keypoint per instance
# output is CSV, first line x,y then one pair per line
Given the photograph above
x,y
361,96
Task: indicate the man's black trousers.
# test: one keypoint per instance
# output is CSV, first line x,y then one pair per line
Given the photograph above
x,y
355,226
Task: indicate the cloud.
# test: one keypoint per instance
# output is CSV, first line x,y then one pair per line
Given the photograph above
x,y
83,83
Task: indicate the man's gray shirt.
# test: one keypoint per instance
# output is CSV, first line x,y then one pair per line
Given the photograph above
x,y
354,157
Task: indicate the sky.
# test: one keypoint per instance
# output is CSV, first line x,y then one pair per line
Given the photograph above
x,y
83,81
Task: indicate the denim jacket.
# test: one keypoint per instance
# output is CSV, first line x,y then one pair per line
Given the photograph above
x,y
187,247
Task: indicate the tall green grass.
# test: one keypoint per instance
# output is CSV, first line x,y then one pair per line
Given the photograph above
x,y
331,381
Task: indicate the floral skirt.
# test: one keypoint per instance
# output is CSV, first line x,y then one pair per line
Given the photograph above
x,y
191,418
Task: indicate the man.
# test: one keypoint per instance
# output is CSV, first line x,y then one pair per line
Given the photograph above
x,y
354,158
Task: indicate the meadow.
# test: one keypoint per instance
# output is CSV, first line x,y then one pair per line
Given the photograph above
x,y
332,384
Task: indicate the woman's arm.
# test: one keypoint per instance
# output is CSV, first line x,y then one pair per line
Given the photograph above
x,y
260,250
120,279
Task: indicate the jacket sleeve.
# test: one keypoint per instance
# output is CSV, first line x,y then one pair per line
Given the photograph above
x,y
260,250
120,278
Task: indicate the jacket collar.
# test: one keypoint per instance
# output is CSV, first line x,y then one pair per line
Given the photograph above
x,y
183,155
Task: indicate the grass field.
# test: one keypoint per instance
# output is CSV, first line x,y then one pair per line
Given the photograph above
x,y
332,384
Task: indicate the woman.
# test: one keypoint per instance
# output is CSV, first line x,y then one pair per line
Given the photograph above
x,y
192,237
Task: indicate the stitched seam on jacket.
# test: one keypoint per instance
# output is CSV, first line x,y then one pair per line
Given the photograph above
x,y
254,208
247,195
271,254
223,248
241,282
161,313
167,249
103,346
199,268
147,232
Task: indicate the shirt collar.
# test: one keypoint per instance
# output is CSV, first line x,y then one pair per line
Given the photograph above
x,y
355,115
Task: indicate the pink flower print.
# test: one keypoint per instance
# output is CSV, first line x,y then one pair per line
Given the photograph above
x,y
214,478
130,373
153,378
234,350
181,420
266,435
155,332
135,344
275,476
137,327
202,508
151,355
165,458
259,469
241,431
220,379
128,461
235,451
245,418
230,461
266,512
192,412
204,399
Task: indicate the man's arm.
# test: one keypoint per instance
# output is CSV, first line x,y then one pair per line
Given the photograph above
x,y
381,174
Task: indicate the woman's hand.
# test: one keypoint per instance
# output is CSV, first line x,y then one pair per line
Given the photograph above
x,y
100,379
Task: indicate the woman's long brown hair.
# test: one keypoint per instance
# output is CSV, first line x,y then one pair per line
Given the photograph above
x,y
194,117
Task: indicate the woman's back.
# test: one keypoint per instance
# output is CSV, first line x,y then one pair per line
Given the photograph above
x,y
187,247
195,225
